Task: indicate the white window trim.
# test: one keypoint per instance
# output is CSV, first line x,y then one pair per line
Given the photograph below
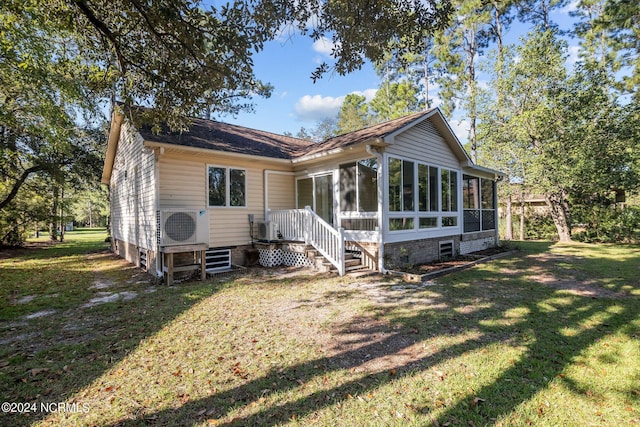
x,y
480,210
416,213
227,196
354,214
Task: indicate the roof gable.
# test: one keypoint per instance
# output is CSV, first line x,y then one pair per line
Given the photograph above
x,y
371,133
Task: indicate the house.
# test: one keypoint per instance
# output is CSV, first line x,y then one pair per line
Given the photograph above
x,y
396,193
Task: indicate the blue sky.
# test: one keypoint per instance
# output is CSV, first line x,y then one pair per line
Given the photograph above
x,y
298,102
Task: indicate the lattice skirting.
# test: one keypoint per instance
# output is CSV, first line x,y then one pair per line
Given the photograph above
x,y
295,259
275,257
270,257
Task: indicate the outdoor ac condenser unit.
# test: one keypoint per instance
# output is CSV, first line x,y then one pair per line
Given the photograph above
x,y
183,227
267,230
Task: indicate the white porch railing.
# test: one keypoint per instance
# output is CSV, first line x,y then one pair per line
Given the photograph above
x,y
305,225
291,223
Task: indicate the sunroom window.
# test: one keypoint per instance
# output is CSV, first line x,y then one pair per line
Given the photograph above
x,y
449,185
359,186
478,195
401,184
427,188
429,192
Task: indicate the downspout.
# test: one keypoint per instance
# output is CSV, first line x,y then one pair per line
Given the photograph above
x,y
378,156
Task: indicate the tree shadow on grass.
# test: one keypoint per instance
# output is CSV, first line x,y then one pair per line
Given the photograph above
x,y
552,328
51,358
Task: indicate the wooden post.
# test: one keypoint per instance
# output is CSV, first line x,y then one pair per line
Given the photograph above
x,y
203,265
170,269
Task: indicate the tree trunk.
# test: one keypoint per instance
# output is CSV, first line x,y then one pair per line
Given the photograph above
x,y
509,219
522,218
62,230
17,184
53,214
560,214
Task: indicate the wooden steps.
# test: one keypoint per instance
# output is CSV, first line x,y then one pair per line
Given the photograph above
x,y
352,264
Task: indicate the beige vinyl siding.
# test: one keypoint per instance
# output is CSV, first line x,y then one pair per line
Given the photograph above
x,y
281,191
133,213
183,184
423,142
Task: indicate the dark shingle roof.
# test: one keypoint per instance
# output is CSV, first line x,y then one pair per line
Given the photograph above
x,y
377,131
213,135
219,136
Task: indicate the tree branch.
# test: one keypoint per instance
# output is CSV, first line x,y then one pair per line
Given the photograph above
x,y
104,30
161,35
16,185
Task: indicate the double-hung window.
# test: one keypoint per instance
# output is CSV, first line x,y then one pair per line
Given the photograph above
x,y
226,187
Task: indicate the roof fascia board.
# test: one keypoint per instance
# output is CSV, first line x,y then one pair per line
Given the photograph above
x,y
483,170
198,150
377,142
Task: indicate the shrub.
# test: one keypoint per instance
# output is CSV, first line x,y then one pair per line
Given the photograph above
x,y
609,224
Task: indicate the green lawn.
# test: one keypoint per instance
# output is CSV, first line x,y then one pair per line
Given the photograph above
x,y
547,336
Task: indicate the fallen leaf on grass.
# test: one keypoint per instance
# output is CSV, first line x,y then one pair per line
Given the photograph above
x,y
476,401
239,371
441,375
37,371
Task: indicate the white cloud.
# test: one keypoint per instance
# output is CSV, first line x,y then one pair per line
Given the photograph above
x,y
318,107
570,7
324,46
574,55
367,93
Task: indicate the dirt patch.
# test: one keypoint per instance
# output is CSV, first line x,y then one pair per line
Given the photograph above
x,y
105,297
566,278
458,261
370,345
331,320
7,252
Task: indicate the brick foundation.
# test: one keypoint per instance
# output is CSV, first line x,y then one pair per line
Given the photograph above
x,y
473,242
415,252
